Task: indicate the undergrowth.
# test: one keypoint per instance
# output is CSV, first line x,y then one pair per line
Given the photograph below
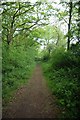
x,y
17,67
63,78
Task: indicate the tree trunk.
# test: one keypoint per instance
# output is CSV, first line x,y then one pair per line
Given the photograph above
x,y
78,22
69,25
10,37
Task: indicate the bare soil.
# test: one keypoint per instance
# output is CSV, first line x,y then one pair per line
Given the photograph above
x,y
33,100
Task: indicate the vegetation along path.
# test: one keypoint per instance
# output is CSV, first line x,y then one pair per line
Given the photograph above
x,y
33,101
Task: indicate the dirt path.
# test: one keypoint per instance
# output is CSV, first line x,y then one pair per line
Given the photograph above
x,y
33,100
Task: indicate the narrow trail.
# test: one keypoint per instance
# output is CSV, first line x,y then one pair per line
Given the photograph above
x,y
33,100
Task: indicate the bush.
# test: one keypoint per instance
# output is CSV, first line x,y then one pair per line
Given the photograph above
x,y
63,78
17,66
63,59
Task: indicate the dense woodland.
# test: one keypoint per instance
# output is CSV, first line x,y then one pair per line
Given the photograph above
x,y
32,34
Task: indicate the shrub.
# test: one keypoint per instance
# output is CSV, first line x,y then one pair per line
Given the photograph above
x,y
63,78
17,66
63,59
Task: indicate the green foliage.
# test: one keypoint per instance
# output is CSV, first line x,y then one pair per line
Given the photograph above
x,y
46,56
63,78
24,30
19,34
17,67
63,59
